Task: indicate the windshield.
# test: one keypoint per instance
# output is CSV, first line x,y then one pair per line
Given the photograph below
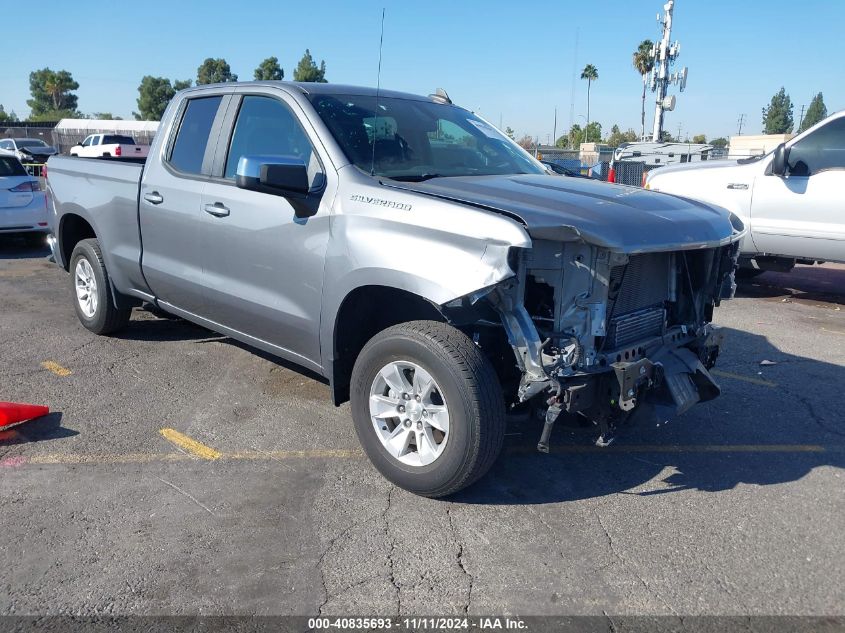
x,y
33,143
410,140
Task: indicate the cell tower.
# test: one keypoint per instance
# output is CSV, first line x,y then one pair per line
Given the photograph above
x,y
664,54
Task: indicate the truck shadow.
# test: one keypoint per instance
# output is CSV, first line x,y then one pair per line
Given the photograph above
x,y
755,433
12,247
824,284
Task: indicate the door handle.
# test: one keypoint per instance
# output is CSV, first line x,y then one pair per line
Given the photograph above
x,y
218,209
154,197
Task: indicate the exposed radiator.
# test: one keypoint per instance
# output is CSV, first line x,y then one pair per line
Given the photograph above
x,y
644,282
635,326
636,299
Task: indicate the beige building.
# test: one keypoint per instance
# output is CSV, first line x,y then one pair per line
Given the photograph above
x,y
755,144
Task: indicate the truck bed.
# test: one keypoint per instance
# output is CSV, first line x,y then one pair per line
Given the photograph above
x,y
104,192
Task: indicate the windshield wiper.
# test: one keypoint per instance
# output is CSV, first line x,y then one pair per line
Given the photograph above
x,y
416,177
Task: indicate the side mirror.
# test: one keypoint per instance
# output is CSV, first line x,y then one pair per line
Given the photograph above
x,y
285,176
779,160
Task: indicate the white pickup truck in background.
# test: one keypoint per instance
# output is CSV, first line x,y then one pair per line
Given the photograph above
x,y
792,200
109,145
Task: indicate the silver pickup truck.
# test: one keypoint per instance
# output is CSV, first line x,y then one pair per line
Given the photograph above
x,y
402,247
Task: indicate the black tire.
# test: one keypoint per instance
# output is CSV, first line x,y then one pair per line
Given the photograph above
x,y
748,273
107,318
469,386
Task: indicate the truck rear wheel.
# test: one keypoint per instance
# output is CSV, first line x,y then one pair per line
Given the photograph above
x,y
427,407
92,290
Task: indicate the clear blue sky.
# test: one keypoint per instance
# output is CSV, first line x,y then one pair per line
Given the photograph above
x,y
512,60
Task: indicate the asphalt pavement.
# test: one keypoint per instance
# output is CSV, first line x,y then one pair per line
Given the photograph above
x,y
183,473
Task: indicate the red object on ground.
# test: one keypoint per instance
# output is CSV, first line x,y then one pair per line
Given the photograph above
x,y
611,175
12,413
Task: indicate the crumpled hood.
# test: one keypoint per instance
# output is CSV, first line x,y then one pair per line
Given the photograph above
x,y
38,151
617,217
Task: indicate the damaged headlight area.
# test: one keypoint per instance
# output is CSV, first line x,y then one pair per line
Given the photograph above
x,y
597,333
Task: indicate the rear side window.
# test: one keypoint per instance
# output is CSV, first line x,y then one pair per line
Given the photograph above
x,y
191,140
266,126
10,166
116,139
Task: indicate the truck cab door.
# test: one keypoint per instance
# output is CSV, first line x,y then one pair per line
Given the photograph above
x,y
801,214
170,207
264,264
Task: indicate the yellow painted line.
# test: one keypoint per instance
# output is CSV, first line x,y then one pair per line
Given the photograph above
x,y
57,369
107,458
306,454
192,446
751,379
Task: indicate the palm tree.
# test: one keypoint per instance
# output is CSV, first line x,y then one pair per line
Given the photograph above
x,y
643,62
590,73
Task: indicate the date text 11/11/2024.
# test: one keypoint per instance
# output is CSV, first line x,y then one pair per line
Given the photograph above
x,y
418,623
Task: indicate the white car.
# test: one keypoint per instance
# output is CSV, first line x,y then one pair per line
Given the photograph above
x,y
791,199
23,204
109,145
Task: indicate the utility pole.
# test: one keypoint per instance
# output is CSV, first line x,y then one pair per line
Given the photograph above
x,y
801,118
664,54
679,132
741,121
554,129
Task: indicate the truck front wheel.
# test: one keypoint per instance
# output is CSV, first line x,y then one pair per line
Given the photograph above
x,y
92,291
427,407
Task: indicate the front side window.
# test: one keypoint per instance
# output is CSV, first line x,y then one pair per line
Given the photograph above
x,y
414,140
267,127
822,150
86,142
6,145
192,138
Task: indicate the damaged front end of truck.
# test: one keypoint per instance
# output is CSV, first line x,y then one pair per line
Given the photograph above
x,y
597,332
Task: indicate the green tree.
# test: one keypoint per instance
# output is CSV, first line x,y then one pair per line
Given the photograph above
x,y
593,134
269,70
307,69
617,137
575,136
562,141
510,133
214,71
815,113
699,138
590,73
7,117
181,84
52,93
720,142
105,116
777,118
154,94
643,63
